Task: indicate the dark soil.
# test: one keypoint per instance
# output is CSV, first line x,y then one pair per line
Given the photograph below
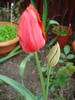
x,y
31,77
11,68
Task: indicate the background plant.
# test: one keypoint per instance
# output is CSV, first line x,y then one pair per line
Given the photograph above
x,y
66,55
21,88
5,31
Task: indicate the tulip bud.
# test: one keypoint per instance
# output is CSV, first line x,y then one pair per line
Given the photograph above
x,y
53,56
30,30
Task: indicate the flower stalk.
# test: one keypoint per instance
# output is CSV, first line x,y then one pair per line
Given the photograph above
x,y
47,86
41,75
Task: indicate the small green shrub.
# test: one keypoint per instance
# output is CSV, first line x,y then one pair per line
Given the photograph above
x,y
7,32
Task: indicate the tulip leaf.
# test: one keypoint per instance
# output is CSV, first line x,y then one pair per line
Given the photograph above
x,y
39,96
23,64
3,59
18,87
44,17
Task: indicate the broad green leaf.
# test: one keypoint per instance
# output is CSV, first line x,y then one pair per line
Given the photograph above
x,y
23,64
62,55
70,56
18,87
67,49
44,17
33,3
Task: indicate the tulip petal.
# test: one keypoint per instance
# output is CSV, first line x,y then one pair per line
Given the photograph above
x,y
30,30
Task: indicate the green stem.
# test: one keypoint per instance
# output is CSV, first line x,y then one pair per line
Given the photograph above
x,y
41,75
22,98
47,83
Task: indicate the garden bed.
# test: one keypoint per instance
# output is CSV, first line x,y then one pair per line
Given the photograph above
x,y
31,78
11,69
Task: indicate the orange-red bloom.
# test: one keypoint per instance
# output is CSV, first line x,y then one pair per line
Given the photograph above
x,y
30,30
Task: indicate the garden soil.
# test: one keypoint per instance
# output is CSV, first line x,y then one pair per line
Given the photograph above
x,y
10,68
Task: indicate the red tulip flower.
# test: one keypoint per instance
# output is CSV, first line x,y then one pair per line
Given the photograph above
x,y
30,30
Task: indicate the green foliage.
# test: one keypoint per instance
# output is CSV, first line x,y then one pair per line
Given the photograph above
x,y
13,53
41,76
66,49
64,72
7,32
66,54
62,76
1,82
70,56
18,87
23,64
44,69
51,22
44,17
60,31
17,4
33,3
39,96
63,55
51,42
70,68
